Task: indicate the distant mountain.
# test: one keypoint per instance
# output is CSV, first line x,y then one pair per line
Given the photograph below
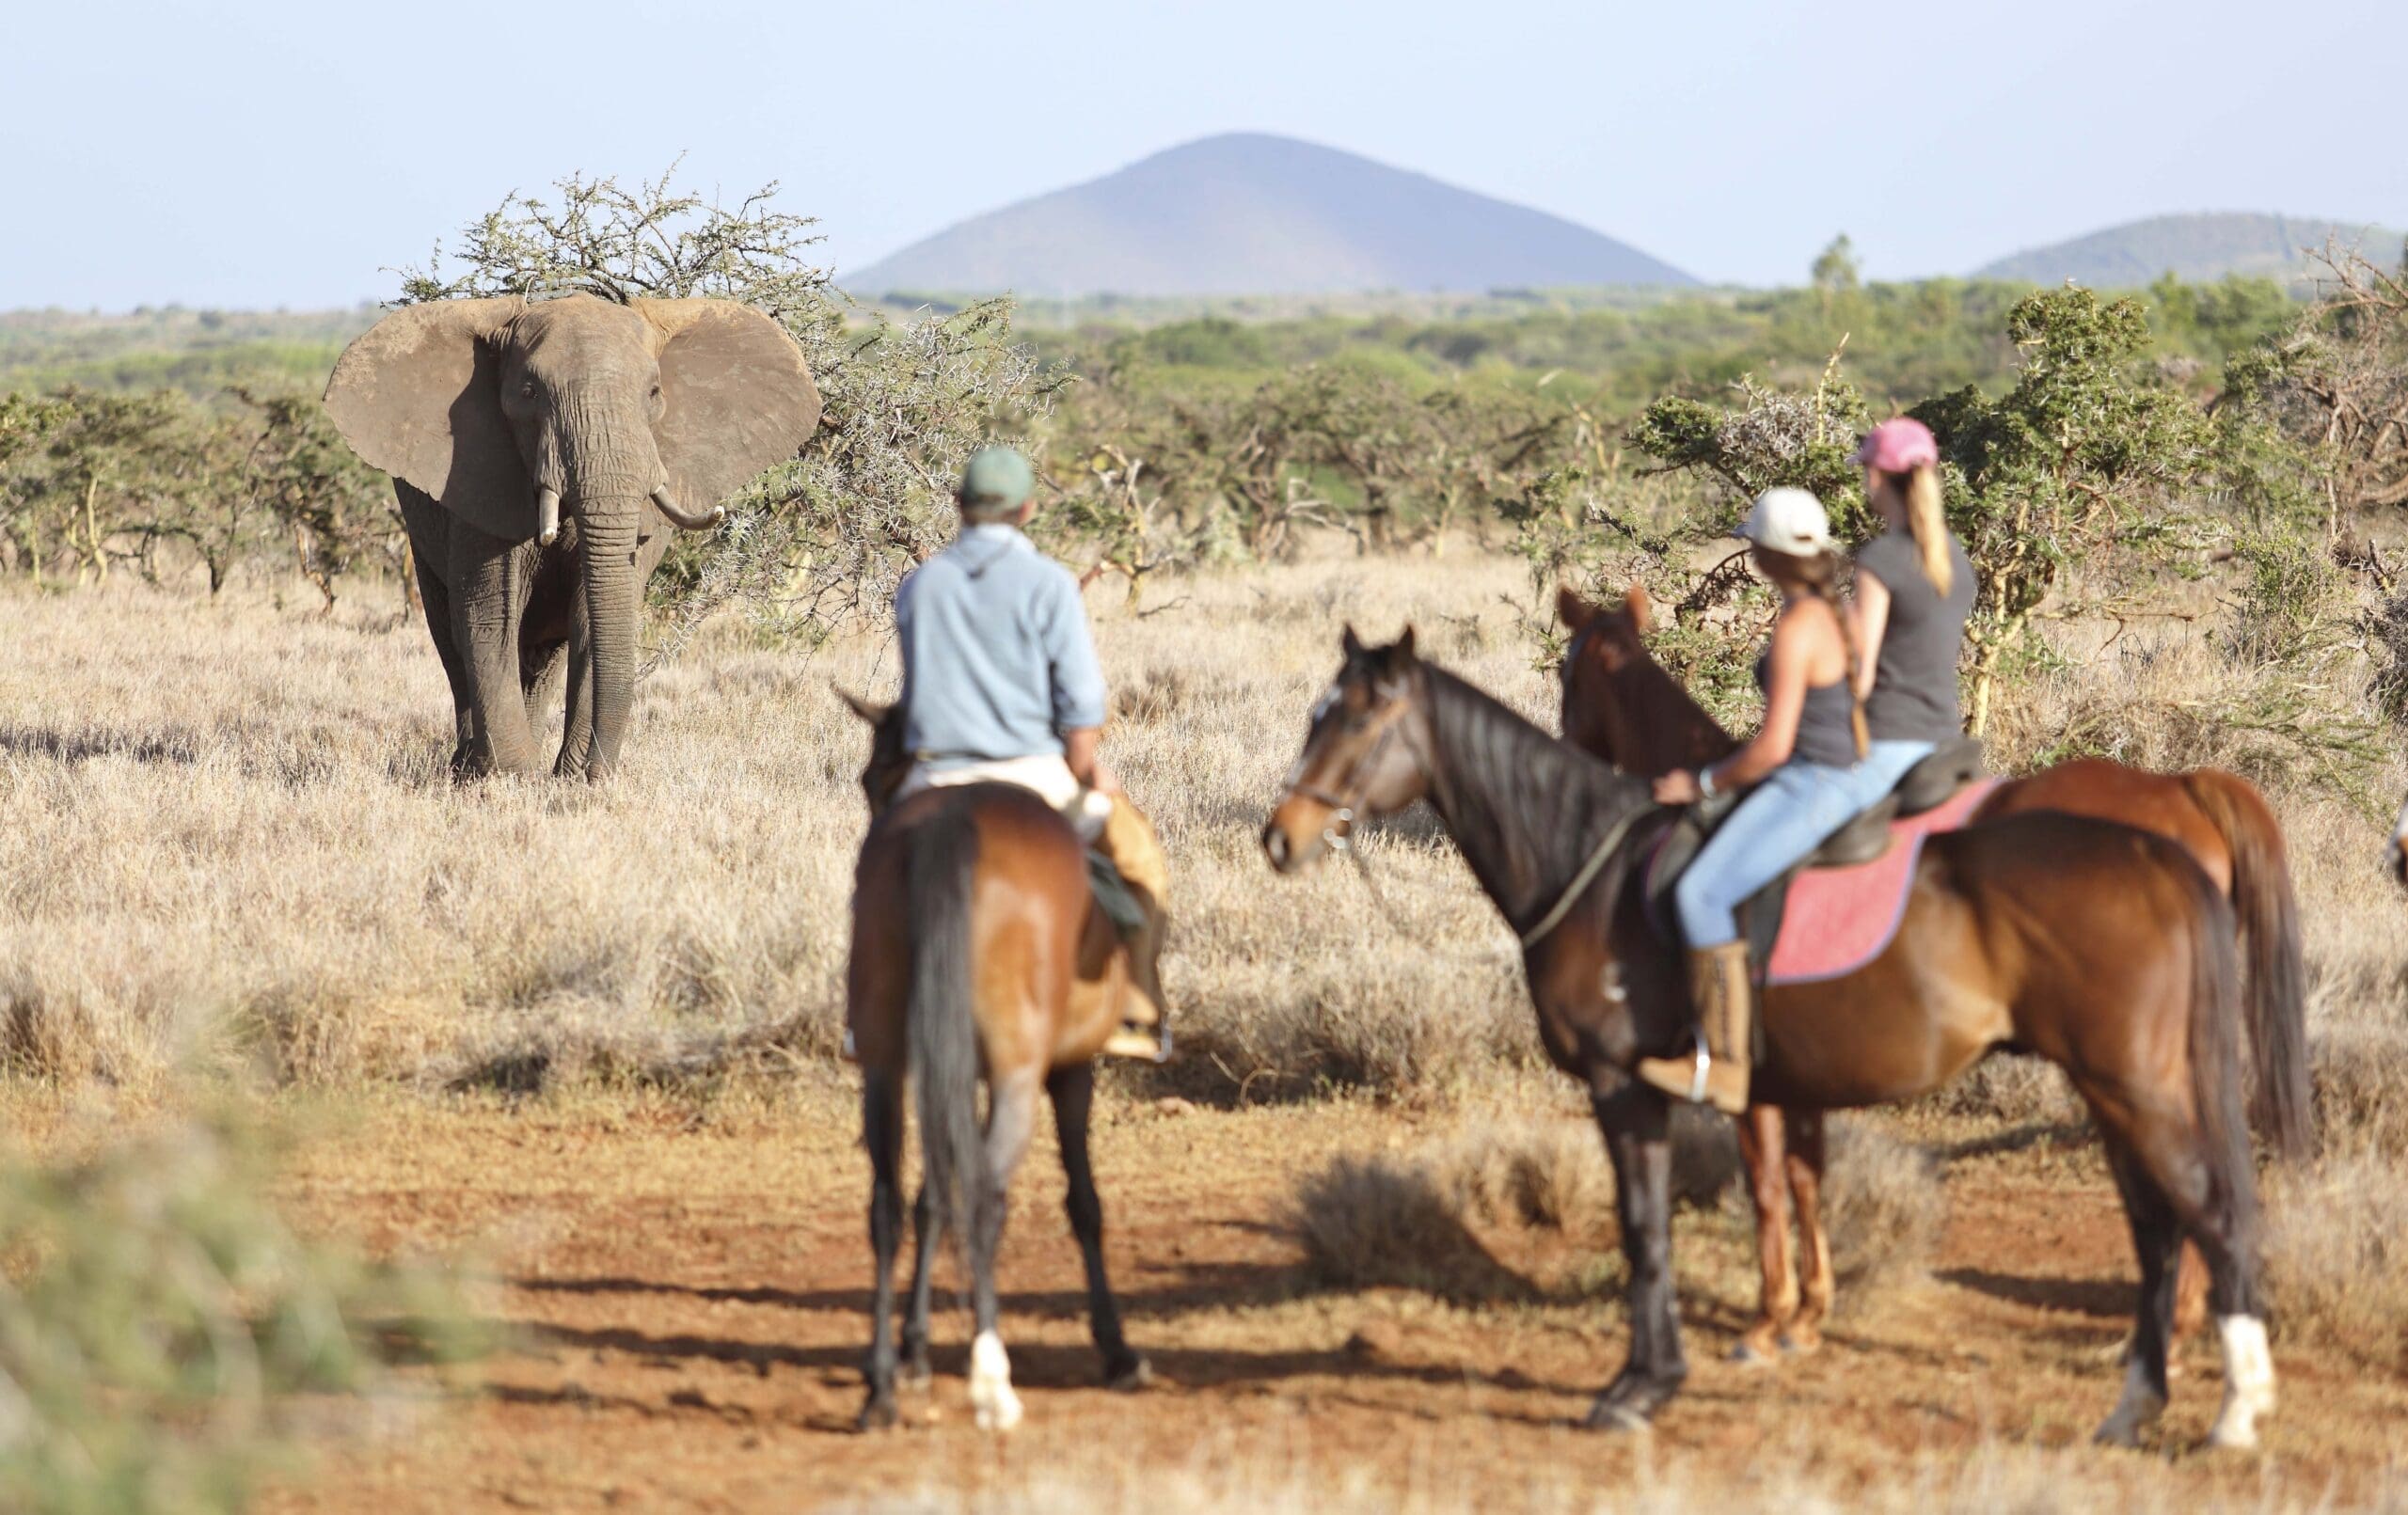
x,y
2204,246
1249,213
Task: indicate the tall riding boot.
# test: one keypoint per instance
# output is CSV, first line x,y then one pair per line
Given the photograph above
x,y
1718,1075
1136,852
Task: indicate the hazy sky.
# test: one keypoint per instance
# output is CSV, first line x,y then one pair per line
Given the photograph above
x,y
260,155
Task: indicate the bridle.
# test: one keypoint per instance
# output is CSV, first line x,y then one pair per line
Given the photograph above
x,y
1336,832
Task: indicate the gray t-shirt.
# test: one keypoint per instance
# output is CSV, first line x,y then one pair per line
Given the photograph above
x,y
997,662
1914,683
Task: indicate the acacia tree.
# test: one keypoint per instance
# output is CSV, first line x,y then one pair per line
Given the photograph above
x,y
2337,383
824,537
2087,457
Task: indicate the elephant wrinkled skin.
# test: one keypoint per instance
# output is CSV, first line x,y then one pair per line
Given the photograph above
x,y
540,451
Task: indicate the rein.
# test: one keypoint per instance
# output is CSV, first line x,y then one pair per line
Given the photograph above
x,y
1613,839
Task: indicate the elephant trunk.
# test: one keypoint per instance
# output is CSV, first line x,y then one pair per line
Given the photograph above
x,y
613,606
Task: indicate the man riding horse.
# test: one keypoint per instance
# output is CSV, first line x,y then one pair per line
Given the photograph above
x,y
1001,685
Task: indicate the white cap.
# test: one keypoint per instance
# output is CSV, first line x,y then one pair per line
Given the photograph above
x,y
1790,521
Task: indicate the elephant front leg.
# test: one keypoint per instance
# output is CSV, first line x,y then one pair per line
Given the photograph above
x,y
489,576
430,560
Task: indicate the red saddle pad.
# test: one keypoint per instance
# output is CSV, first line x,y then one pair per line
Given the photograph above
x,y
1839,918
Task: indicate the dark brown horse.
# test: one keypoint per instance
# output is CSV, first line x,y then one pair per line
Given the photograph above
x,y
1620,705
976,948
2101,948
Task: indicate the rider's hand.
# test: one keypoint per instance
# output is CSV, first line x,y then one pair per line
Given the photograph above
x,y
1678,787
1103,780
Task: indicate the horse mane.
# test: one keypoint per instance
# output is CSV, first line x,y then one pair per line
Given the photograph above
x,y
1524,807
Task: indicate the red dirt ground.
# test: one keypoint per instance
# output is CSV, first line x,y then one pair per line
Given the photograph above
x,y
685,1295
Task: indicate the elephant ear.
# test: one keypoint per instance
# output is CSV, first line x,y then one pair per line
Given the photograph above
x,y
736,396
419,395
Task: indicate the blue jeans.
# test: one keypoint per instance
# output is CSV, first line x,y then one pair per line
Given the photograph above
x,y
1782,820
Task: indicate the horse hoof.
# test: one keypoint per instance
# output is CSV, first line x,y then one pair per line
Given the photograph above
x,y
877,1414
914,1376
1130,1376
1620,1419
1796,1346
1747,1354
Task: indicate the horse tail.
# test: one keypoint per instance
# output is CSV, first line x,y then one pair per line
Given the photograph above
x,y
2215,1046
942,1030
2281,1106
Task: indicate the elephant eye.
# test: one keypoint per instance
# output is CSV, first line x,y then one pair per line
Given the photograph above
x,y
526,389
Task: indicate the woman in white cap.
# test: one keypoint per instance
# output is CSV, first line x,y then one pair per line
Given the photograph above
x,y
1805,777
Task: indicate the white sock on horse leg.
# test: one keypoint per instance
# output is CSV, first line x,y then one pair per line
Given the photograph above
x,y
2248,1380
990,1384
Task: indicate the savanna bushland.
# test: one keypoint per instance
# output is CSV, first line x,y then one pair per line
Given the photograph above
x,y
593,1034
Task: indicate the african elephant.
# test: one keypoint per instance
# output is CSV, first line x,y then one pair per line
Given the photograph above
x,y
539,449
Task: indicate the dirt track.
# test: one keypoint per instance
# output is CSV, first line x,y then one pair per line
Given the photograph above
x,y
689,1298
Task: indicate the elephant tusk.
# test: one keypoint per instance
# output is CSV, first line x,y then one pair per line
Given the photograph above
x,y
680,519
548,516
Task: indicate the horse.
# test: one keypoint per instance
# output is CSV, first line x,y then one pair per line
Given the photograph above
x,y
978,950
1620,705
2099,947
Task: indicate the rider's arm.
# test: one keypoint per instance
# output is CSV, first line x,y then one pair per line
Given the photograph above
x,y
1078,683
1871,610
1086,766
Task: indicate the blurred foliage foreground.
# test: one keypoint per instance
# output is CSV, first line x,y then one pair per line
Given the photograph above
x,y
161,1325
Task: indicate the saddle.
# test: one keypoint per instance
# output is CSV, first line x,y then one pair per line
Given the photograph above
x,y
1926,787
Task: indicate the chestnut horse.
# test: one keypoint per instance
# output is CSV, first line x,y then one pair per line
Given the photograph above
x,y
1621,706
2101,948
972,919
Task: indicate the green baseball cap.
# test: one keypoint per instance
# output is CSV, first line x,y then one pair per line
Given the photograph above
x,y
997,479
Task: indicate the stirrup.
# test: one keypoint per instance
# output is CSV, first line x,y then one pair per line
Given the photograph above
x,y
1705,1067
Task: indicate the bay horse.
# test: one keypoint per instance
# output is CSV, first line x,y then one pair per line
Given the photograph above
x,y
1620,705
975,947
2101,948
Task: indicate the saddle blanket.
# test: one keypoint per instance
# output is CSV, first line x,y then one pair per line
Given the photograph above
x,y
1840,919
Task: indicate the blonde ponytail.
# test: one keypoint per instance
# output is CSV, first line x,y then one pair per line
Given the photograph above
x,y
1927,521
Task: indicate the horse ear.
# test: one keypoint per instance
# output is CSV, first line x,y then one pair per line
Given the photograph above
x,y
869,710
1641,608
1349,643
1404,648
1570,608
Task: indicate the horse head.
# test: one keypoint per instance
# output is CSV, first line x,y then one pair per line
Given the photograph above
x,y
1619,704
1360,757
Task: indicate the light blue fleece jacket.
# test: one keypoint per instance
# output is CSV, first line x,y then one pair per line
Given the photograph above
x,y
997,659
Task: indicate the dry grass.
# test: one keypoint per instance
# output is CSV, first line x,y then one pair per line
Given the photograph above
x,y
2336,1256
1884,1206
231,836
1994,1479
1502,1208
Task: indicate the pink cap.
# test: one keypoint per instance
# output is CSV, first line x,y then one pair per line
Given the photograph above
x,y
1900,446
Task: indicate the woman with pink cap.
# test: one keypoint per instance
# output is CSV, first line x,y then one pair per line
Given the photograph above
x,y
1915,589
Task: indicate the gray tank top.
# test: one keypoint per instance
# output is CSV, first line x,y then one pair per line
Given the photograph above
x,y
1826,727
1914,694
